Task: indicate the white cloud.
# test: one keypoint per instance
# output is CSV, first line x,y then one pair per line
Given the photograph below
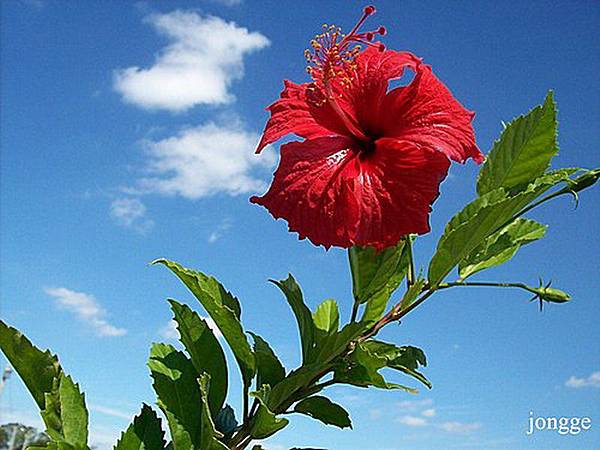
x,y
460,427
592,381
87,309
218,232
169,331
412,421
131,213
204,161
204,57
428,412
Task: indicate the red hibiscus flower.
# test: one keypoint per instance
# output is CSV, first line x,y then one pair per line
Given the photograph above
x,y
372,158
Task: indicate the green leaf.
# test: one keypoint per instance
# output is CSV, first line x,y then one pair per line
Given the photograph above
x,y
265,423
295,381
523,151
331,347
51,413
406,359
224,309
269,369
61,404
413,292
205,352
323,409
58,445
327,321
37,369
73,413
208,435
376,275
482,218
361,369
225,421
306,327
501,246
145,433
178,392
375,272
327,317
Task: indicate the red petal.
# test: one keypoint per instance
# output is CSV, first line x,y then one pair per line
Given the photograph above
x,y
296,112
426,114
334,197
374,70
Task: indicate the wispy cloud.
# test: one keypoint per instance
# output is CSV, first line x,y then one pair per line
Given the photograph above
x,y
87,309
428,412
131,213
204,161
413,405
104,438
591,381
38,4
169,331
111,412
218,232
375,413
205,55
412,421
460,427
424,415
229,2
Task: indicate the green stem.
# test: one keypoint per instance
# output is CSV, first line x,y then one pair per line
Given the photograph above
x,y
396,313
532,206
485,284
410,276
354,311
352,260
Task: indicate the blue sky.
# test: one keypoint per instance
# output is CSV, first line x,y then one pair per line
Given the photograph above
x,y
111,114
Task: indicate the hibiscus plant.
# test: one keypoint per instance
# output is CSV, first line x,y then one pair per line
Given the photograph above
x,y
363,178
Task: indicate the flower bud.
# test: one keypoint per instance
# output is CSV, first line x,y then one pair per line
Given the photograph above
x,y
552,295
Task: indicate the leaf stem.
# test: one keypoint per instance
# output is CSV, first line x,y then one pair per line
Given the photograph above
x,y
246,409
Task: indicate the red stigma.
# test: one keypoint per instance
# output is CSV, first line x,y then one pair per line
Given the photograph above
x,y
369,10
